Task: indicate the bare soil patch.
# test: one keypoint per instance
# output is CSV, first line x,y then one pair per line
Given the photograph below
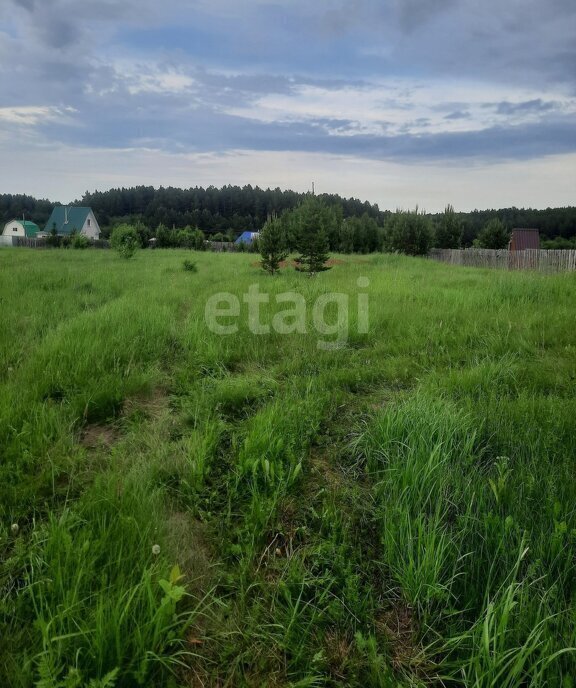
x,y
398,625
153,404
97,436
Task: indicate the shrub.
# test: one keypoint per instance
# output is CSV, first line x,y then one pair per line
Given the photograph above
x,y
493,235
79,241
189,266
125,240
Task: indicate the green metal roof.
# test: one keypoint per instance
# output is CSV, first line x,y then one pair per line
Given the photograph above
x,y
76,218
31,229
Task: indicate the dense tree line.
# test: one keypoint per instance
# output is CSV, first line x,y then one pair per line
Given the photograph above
x,y
19,206
552,222
175,216
212,210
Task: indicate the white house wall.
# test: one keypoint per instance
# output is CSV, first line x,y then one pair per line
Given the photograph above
x,y
9,229
91,228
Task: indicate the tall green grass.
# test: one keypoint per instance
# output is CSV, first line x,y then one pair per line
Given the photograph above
x,y
398,511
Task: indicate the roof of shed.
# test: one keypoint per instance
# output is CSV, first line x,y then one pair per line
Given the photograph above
x,y
246,237
30,228
525,238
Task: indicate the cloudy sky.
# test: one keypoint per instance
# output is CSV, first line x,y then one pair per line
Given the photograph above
x,y
399,102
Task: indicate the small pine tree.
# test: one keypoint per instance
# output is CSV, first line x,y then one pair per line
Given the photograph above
x,y
272,245
53,239
313,253
311,237
408,232
449,230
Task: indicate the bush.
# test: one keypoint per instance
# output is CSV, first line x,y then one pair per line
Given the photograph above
x,y
79,241
493,235
125,240
189,266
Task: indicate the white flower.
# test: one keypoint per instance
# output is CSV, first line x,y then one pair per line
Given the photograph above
x,y
15,528
155,550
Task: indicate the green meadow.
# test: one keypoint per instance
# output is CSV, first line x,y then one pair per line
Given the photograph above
x,y
185,508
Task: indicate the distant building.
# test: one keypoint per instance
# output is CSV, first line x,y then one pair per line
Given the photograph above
x,y
21,228
68,219
247,237
523,239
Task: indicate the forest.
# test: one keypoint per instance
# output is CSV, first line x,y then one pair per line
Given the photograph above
x,y
232,209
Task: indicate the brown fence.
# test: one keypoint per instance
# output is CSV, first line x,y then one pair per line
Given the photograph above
x,y
231,247
47,242
219,246
31,242
530,259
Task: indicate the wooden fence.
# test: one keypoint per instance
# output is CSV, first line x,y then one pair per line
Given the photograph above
x,y
222,246
45,242
530,259
231,247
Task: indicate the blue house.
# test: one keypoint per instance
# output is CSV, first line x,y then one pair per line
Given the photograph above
x,y
247,237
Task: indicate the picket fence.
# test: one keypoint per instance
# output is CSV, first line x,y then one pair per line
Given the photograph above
x,y
529,259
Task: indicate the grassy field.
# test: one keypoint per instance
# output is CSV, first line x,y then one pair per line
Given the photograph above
x,y
181,508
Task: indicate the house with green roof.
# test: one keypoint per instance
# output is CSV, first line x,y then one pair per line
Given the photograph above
x,y
20,228
68,219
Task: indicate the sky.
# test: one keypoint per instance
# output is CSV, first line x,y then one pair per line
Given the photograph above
x,y
398,102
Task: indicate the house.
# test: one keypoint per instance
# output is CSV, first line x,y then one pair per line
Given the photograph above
x,y
20,228
247,237
523,239
68,219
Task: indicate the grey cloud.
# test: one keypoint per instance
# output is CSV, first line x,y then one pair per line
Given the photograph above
x,y
518,43
457,114
58,32
70,45
527,106
181,122
416,13
529,42
26,4
49,24
419,123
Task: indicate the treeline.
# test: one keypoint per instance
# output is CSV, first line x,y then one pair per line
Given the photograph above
x,y
20,206
552,222
231,209
226,212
